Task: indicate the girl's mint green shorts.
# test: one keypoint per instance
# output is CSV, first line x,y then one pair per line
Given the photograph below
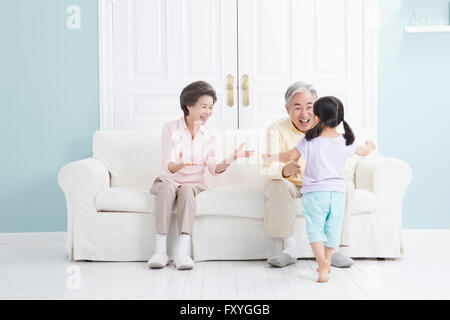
x,y
324,213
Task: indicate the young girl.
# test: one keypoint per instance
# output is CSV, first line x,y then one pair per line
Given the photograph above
x,y
323,190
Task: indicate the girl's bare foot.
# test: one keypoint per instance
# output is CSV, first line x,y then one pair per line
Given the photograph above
x,y
329,270
324,268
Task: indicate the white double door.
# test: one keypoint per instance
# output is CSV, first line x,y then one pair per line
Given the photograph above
x,y
160,46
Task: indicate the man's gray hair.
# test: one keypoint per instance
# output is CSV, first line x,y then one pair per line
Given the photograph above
x,y
298,87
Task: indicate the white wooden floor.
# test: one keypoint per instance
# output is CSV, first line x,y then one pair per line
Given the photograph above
x,y
42,271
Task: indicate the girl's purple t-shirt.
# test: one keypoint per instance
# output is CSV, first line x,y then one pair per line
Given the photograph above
x,y
325,163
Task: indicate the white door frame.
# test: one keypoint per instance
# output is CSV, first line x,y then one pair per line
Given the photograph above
x,y
370,65
105,63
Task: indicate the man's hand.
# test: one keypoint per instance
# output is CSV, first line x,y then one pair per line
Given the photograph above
x,y
291,169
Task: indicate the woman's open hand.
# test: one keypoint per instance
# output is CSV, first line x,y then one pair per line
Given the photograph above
x,y
238,153
241,153
183,162
179,164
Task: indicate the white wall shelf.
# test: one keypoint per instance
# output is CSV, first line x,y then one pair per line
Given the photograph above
x,y
427,29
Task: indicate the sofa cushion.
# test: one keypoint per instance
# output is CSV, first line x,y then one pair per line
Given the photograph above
x,y
220,201
133,158
126,200
228,201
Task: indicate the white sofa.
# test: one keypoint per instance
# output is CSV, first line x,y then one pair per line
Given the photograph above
x,y
110,212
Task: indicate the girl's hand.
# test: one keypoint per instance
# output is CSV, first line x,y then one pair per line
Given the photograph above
x,y
371,144
364,151
241,153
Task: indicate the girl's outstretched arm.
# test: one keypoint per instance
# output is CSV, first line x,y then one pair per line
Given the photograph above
x,y
365,150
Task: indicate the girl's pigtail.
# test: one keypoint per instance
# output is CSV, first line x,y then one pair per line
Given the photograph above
x,y
314,132
348,135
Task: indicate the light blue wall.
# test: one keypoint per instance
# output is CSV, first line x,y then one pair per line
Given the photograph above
x,y
414,107
49,107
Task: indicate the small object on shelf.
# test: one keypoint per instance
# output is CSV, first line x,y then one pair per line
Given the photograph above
x,y
415,19
417,24
427,29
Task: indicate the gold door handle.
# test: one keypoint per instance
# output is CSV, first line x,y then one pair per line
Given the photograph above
x,y
230,90
245,89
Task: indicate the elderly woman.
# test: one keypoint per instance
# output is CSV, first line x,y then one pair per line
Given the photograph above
x,y
188,149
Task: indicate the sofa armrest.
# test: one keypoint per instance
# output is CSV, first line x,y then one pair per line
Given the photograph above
x,y
388,178
81,180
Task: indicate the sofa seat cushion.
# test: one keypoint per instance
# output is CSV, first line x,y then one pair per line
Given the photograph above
x,y
220,201
224,201
125,200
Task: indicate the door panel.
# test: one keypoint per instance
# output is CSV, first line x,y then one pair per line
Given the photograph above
x,y
160,46
317,41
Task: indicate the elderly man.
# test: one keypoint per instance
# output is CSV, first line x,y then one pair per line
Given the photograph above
x,y
285,180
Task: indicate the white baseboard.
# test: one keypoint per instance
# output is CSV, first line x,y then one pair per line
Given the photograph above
x,y
424,231
32,238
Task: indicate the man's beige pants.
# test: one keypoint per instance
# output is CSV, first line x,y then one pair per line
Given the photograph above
x,y
280,211
166,193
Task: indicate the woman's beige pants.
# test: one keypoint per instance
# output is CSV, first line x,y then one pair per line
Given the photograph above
x,y
166,194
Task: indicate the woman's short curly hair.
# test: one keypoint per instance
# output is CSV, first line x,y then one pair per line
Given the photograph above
x,y
193,91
